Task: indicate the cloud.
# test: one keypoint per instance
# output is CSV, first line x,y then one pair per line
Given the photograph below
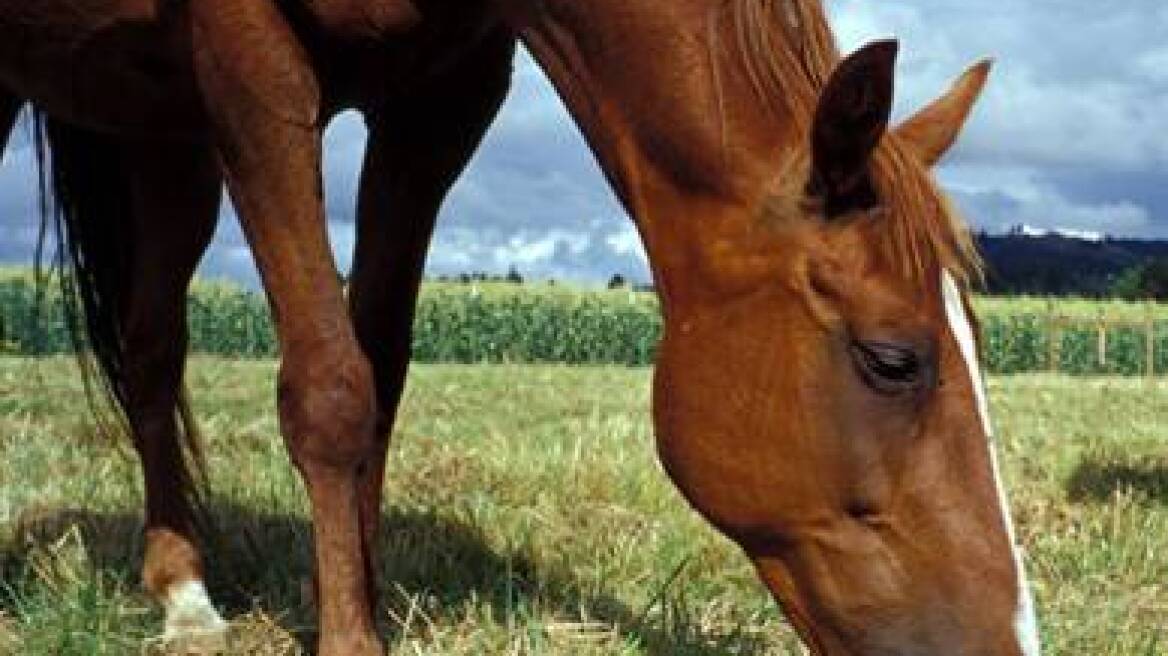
x,y
534,198
1071,130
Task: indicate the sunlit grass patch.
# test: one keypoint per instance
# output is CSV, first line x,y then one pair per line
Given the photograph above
x,y
525,513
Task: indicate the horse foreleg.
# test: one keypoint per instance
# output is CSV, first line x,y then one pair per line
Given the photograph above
x,y
263,101
416,151
174,190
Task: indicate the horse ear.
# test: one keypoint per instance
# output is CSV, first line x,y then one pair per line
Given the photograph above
x,y
932,131
851,118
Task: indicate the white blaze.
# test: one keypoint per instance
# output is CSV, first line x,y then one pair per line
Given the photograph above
x,y
1025,624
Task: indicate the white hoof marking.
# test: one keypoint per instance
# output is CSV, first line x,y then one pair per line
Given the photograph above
x,y
193,626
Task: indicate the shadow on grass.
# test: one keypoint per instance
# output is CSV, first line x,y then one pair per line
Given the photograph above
x,y
259,560
1101,480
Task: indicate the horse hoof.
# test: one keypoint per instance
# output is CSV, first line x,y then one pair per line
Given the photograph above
x,y
193,626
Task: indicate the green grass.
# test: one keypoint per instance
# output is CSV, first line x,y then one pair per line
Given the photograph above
x,y
526,514
1087,309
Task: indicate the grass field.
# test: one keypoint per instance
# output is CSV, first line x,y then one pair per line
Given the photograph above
x,y
526,514
1073,307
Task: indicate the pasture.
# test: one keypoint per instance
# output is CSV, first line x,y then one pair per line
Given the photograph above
x,y
526,514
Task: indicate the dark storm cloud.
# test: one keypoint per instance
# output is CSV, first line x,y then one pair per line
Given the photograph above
x,y
1092,186
995,211
1071,133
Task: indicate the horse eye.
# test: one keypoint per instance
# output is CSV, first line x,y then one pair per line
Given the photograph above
x,y
887,367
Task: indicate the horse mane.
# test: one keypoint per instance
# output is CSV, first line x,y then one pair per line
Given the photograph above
x,y
788,53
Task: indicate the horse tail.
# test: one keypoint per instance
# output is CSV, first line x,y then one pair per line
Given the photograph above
x,y
86,211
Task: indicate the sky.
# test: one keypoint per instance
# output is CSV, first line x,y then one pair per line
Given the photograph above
x,y
1072,133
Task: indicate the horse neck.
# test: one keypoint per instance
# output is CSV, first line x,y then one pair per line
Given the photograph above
x,y
682,135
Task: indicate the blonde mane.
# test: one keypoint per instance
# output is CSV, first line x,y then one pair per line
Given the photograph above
x,y
788,53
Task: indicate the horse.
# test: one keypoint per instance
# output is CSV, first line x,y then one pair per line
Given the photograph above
x,y
817,395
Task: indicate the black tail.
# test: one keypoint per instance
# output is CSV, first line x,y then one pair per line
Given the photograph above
x,y
86,206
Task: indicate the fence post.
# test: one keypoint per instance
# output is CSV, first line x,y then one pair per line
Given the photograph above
x,y
1102,330
1052,338
1150,343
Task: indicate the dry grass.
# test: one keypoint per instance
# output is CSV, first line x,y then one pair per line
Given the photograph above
x,y
526,514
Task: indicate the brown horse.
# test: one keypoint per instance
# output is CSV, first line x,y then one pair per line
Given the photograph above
x,y
817,397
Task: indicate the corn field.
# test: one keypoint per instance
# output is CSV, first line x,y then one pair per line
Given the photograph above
x,y
540,323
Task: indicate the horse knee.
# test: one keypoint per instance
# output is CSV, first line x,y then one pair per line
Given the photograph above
x,y
328,412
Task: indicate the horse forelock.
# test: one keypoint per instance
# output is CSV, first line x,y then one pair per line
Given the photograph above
x,y
925,231
787,51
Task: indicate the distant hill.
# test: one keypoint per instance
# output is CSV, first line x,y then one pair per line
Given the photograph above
x,y
1060,264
